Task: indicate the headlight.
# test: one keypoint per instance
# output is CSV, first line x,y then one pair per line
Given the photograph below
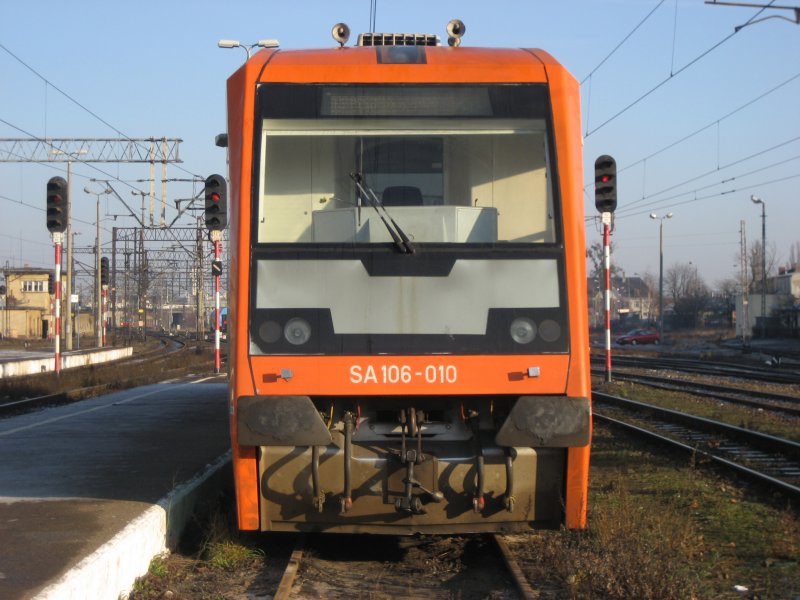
x,y
297,331
549,330
523,330
269,331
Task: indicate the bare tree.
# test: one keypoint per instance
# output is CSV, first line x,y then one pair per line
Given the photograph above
x,y
794,254
595,256
755,264
651,281
726,291
688,292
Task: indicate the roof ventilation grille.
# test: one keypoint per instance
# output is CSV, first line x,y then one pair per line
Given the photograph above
x,y
398,39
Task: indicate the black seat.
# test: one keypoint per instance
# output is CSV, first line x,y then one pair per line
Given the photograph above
x,y
402,195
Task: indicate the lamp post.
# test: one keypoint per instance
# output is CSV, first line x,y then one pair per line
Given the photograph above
x,y
757,200
661,268
98,297
248,47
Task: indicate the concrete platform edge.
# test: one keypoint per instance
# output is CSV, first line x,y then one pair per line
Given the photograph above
x,y
110,572
32,366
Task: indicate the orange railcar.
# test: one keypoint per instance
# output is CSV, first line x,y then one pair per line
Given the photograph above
x,y
408,326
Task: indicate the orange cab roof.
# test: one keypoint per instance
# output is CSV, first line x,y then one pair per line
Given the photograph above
x,y
373,64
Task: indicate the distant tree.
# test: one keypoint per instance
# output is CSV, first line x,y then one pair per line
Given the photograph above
x,y
725,294
794,254
755,265
595,256
688,292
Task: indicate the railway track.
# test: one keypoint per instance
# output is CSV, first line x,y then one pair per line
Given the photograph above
x,y
477,566
153,364
768,401
773,374
769,460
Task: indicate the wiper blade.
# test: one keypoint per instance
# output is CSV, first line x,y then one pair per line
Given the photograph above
x,y
399,237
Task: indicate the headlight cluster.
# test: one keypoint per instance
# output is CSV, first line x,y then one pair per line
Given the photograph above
x,y
524,330
297,331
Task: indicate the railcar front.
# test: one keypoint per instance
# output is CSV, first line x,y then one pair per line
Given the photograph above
x,y
409,350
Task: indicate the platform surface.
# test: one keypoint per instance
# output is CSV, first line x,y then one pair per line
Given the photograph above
x,y
72,477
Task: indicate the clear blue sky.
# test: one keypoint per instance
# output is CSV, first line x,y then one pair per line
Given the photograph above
x,y
152,68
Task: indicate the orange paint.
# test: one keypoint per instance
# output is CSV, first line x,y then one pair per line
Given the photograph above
x,y
426,375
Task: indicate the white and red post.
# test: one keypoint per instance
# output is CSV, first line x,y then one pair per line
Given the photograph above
x,y
606,217
104,313
216,238
57,240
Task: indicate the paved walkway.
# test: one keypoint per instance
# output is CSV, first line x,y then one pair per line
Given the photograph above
x,y
76,479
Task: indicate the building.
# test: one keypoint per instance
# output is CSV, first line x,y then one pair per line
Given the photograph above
x,y
782,308
632,302
27,303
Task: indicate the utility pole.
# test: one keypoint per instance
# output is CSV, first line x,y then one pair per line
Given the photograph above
x,y
88,150
757,200
745,296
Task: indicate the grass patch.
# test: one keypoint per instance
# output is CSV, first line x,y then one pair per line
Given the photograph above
x,y
659,529
222,548
230,555
741,416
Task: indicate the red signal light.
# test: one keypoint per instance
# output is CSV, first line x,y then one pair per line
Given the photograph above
x,y
215,197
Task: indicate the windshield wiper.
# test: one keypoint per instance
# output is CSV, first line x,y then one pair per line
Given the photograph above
x,y
399,237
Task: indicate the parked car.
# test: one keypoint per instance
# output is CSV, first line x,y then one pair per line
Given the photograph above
x,y
639,336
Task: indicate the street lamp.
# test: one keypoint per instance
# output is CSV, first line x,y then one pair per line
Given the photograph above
x,y
98,297
661,268
248,47
757,200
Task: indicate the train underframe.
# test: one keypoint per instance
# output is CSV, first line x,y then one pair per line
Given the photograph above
x,y
412,465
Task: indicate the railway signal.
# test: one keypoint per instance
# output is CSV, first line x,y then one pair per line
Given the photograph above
x,y
57,205
216,196
605,199
51,284
104,271
605,184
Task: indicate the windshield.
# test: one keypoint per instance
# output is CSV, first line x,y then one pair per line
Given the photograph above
x,y
445,164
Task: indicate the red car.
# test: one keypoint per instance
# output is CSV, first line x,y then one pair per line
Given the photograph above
x,y
639,336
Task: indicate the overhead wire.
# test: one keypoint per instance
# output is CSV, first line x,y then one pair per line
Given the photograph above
x,y
80,105
659,202
718,194
76,159
708,125
674,74
722,168
625,39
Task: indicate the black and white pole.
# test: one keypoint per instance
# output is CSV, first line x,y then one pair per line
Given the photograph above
x,y
605,200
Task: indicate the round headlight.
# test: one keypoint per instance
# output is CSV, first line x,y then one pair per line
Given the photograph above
x,y
549,330
523,330
297,331
270,331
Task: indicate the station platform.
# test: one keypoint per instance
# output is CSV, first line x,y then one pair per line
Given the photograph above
x,y
15,362
90,492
